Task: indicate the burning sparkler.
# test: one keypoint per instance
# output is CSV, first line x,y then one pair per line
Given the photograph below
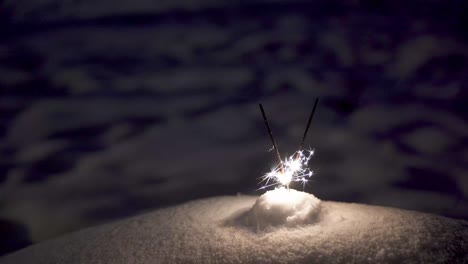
x,y
294,168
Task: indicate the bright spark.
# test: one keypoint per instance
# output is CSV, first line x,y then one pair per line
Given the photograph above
x,y
292,169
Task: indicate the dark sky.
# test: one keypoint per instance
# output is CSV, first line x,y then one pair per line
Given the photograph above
x,y
113,108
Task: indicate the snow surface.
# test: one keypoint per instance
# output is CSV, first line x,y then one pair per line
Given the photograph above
x,y
203,231
283,207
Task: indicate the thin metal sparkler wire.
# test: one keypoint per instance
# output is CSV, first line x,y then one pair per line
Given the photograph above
x,y
307,127
272,138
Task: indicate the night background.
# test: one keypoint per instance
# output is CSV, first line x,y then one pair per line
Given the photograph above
x,y
110,109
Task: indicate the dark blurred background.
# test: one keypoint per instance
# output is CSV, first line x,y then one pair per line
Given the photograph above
x,y
111,108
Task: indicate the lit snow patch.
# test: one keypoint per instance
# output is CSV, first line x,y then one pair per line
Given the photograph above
x,y
283,207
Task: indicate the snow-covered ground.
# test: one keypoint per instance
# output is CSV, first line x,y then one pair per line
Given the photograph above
x,y
203,232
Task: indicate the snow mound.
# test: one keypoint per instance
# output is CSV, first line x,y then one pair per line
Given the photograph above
x,y
198,232
283,207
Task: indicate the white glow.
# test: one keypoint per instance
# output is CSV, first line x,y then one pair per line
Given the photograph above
x,y
283,196
292,169
284,207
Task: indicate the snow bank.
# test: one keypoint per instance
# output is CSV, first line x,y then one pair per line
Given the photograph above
x,y
283,207
201,232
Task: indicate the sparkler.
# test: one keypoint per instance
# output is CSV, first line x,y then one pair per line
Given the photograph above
x,y
275,147
293,168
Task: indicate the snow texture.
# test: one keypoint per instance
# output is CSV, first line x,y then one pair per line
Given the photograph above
x,y
283,207
203,232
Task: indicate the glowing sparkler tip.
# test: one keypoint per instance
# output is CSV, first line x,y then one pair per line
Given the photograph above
x,y
292,169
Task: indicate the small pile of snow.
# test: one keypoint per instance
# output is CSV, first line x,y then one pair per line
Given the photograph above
x,y
283,207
